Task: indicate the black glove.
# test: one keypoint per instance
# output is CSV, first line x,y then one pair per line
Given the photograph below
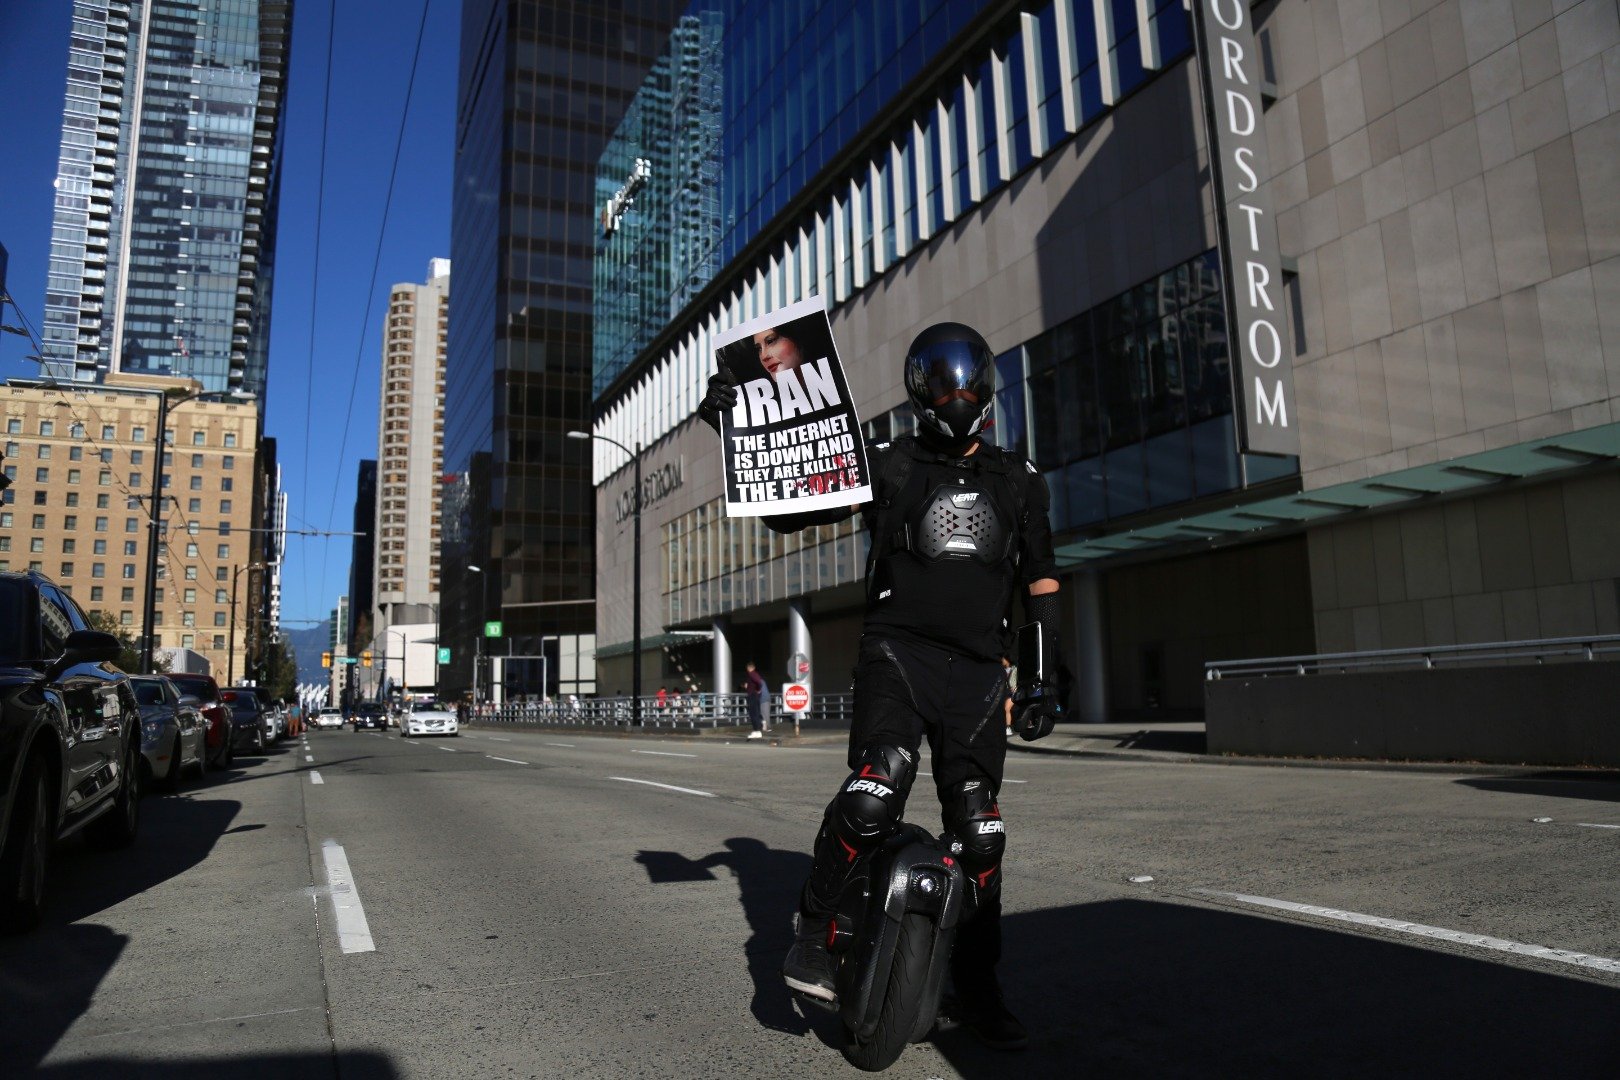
x,y
1034,713
722,396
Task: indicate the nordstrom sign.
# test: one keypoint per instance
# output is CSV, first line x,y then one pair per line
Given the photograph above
x,y
656,486
1229,64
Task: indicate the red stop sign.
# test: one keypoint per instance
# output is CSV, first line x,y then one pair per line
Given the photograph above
x,y
796,697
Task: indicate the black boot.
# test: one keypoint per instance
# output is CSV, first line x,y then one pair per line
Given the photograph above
x,y
808,968
978,1003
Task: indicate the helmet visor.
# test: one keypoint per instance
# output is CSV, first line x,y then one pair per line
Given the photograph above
x,y
953,371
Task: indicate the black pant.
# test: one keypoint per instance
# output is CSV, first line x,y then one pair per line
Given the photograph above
x,y
754,717
905,691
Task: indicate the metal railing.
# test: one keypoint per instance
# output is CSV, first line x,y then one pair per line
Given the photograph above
x,y
689,711
1427,657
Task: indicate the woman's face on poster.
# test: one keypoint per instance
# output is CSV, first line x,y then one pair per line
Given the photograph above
x,y
777,352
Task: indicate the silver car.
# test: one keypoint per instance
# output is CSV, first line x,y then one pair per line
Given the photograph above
x,y
173,731
427,718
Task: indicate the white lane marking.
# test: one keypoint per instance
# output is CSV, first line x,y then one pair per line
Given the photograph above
x,y
315,777
662,753
496,738
1539,952
667,787
568,744
449,748
509,761
354,933
1595,825
309,757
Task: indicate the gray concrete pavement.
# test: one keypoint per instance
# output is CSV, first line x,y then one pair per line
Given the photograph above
x,y
556,914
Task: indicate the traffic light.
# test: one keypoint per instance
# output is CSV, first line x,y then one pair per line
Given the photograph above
x,y
365,658
326,659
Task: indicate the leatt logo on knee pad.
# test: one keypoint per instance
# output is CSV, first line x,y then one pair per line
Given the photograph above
x,y
871,787
991,827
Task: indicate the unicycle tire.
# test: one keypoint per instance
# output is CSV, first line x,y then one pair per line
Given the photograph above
x,y
904,1004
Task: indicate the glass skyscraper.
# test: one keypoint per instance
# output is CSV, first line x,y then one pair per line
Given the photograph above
x,y
164,232
542,86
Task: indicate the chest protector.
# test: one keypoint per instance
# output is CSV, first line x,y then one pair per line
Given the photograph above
x,y
960,521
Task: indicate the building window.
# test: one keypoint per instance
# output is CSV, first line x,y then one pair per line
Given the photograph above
x,y
219,618
14,427
136,457
75,453
198,438
42,476
5,520
39,521
41,497
68,546
108,431
95,594
101,524
190,596
191,573
67,569
193,506
43,451
129,571
224,483
134,479
36,543
188,619
127,594
126,618
132,525
224,506
98,570
230,440
47,427
70,522
191,551
5,543
219,641
129,547
224,551
220,597
137,434
196,483
228,461
188,640
98,547
105,479
219,573
196,461
73,476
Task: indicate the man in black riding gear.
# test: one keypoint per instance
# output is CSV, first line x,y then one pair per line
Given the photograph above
x,y
958,527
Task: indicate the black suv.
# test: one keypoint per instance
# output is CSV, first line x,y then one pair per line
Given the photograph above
x,y
369,715
70,739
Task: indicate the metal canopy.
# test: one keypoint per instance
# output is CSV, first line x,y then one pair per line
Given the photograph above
x,y
1474,473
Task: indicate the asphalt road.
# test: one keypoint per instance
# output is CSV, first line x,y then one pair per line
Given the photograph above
x,y
530,904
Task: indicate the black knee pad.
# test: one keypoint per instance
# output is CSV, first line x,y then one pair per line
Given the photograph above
x,y
972,816
868,808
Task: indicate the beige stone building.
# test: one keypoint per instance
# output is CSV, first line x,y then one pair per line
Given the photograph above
x,y
410,449
80,460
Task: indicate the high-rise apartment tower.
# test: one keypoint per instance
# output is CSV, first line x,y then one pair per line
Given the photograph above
x,y
164,231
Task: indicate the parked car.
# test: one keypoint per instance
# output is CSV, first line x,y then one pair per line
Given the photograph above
x,y
70,740
428,718
368,716
251,727
329,718
221,747
173,732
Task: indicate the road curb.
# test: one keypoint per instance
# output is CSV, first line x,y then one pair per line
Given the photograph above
x,y
1576,772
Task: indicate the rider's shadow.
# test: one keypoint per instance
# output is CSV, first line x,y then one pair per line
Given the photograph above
x,y
768,881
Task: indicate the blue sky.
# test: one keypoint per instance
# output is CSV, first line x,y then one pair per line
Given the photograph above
x,y
371,61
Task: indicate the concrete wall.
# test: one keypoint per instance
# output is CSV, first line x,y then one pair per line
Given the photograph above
x,y
1448,177
1225,605
1557,714
1537,562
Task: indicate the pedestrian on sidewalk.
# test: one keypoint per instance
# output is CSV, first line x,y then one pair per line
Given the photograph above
x,y
754,690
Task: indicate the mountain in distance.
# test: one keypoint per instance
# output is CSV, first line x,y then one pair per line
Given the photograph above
x,y
307,645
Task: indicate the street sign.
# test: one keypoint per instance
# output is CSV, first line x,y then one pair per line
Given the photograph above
x,y
444,655
796,697
348,659
492,629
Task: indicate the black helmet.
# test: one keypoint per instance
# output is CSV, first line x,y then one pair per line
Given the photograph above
x,y
951,380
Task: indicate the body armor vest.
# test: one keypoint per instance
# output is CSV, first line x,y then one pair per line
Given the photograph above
x,y
959,521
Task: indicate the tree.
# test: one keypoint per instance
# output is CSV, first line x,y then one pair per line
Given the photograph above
x,y
129,654
280,669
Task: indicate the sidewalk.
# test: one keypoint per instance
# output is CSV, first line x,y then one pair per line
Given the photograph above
x,y
1166,741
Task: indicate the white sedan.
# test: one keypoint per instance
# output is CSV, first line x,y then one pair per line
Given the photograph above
x,y
428,719
329,718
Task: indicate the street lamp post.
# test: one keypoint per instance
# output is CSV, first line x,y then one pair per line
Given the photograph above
x,y
478,631
230,653
635,570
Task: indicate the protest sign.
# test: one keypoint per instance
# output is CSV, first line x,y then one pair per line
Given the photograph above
x,y
793,443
